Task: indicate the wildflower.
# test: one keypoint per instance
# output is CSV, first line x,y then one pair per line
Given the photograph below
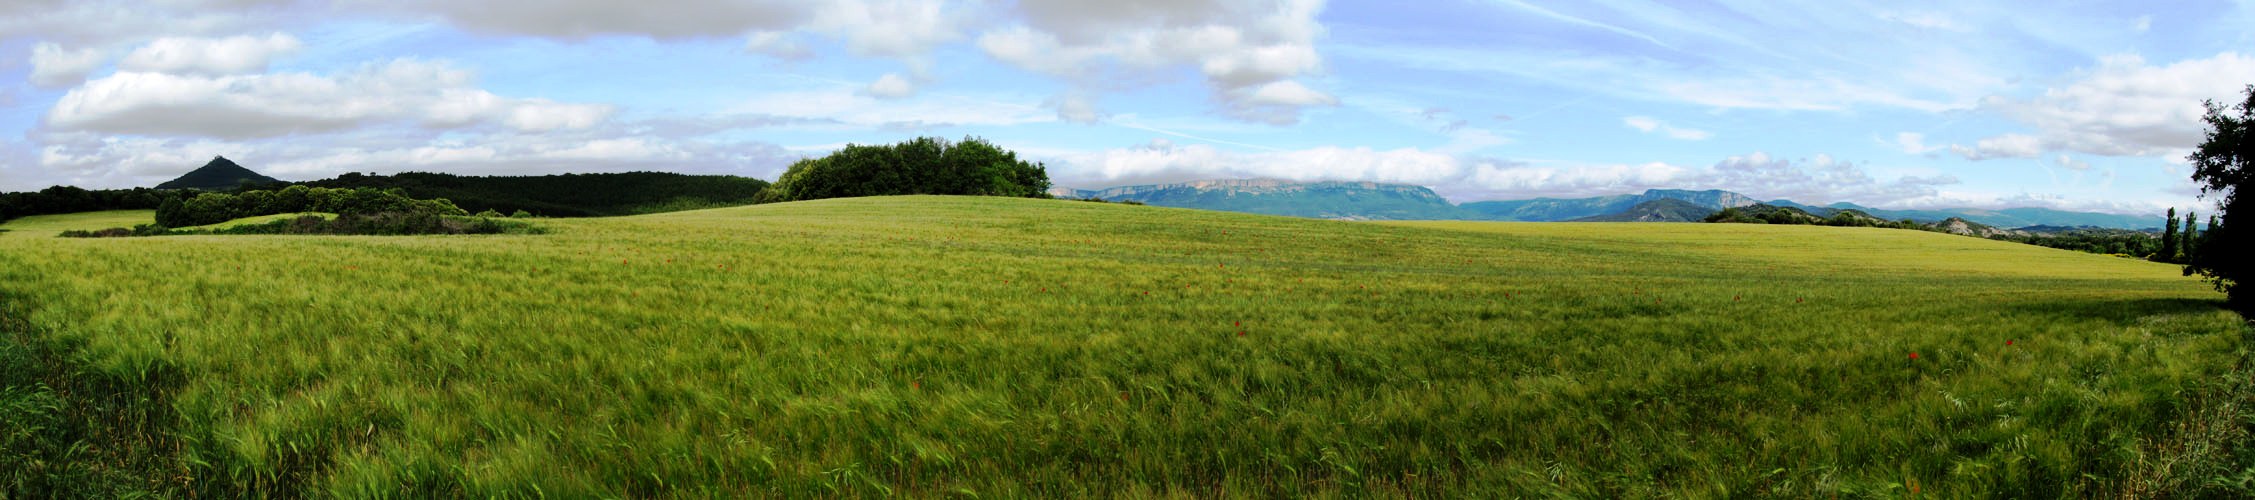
x,y
1914,355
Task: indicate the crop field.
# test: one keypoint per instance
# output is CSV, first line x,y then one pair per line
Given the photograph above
x,y
990,347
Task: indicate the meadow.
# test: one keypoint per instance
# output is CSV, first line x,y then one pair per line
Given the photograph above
x,y
995,347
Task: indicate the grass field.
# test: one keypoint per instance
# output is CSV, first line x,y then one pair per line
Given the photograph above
x,y
933,346
47,226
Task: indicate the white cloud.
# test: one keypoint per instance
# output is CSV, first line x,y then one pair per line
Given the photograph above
x,y
1163,161
53,66
1075,107
209,56
2003,146
106,23
776,44
2142,24
1914,143
246,106
1648,125
587,18
2070,163
851,108
890,86
1821,179
1250,52
2126,107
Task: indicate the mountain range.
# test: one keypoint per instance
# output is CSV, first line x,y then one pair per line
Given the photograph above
x,y
1380,201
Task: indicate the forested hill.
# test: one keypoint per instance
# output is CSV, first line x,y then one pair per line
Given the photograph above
x,y
566,195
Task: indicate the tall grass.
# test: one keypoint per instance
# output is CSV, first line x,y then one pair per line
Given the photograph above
x,y
933,346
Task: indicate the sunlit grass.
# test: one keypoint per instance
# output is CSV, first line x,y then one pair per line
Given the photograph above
x,y
1005,347
47,226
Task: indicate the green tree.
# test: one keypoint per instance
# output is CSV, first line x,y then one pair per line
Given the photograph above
x,y
2169,239
172,213
2188,237
2223,164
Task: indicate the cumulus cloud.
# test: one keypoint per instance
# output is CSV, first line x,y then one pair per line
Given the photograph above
x,y
586,18
96,23
890,86
246,106
2126,107
1249,52
2070,163
1649,125
2003,146
848,107
209,56
53,66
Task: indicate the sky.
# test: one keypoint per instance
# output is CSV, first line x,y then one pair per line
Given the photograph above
x,y
2072,105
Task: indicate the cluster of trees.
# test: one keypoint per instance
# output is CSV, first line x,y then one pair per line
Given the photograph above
x,y
67,199
2106,241
214,208
1762,213
924,165
566,195
2178,247
358,211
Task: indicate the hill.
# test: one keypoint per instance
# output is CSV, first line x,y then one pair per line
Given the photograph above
x,y
1962,227
1322,200
566,195
1007,347
1660,210
219,174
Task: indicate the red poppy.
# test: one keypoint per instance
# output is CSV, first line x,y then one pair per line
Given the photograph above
x,y
1914,355
2008,342
1240,333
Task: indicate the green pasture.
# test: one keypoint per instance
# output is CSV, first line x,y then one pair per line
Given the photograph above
x,y
991,347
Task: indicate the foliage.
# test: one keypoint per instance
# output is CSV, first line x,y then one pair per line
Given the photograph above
x,y
2224,165
997,347
924,165
213,208
2093,240
67,199
566,195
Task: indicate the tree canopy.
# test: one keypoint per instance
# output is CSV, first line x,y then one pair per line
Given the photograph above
x,y
2223,165
924,165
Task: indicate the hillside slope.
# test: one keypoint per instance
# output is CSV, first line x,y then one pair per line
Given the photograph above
x,y
992,347
217,175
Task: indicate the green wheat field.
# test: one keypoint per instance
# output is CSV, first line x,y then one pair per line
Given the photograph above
x,y
991,347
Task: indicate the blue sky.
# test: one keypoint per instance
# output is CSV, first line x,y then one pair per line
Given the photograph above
x,y
2084,106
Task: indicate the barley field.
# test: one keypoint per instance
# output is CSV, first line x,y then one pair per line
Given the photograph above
x,y
988,347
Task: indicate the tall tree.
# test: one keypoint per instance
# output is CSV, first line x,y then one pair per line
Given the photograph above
x,y
2190,236
2169,239
2223,164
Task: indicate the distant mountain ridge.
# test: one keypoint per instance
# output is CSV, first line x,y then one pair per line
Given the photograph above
x,y
1323,200
1371,200
218,174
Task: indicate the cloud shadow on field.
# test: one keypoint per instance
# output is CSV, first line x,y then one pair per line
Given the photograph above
x,y
2120,312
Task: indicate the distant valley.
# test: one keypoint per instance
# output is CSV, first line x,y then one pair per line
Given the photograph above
x,y
1380,201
